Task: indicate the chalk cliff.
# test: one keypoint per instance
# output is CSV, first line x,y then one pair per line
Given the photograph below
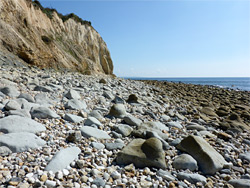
x,y
51,42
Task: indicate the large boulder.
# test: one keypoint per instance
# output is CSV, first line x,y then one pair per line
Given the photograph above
x,y
143,153
209,160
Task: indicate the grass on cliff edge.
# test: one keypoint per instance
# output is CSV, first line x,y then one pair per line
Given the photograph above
x,y
49,13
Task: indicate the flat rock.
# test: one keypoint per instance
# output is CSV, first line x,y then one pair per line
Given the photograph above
x,y
16,124
115,145
174,124
19,142
12,105
155,125
63,158
185,161
27,96
72,94
240,183
92,121
208,111
43,89
143,153
75,104
118,111
22,113
131,120
165,175
245,156
43,99
123,129
209,160
43,113
97,145
195,126
4,151
10,91
73,118
192,178
96,114
88,131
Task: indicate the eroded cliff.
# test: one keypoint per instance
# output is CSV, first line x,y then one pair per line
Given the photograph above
x,y
26,31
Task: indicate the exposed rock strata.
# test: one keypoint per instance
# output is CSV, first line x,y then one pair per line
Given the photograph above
x,y
31,35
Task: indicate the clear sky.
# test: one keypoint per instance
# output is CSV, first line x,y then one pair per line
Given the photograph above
x,y
177,38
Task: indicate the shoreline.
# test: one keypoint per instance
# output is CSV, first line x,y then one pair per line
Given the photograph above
x,y
180,80
154,117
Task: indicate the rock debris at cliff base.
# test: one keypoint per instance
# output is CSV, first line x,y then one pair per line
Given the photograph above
x,y
86,131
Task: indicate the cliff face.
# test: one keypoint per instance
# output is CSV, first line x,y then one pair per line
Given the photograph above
x,y
49,42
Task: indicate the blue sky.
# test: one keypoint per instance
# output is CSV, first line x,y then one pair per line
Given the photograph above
x,y
182,38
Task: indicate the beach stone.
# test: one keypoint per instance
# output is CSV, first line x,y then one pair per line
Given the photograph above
x,y
174,124
118,100
143,153
185,161
74,104
73,118
115,145
165,117
154,125
43,113
43,100
209,160
118,111
19,142
175,142
150,134
92,121
97,145
63,158
99,182
10,91
195,126
88,131
245,156
240,183
12,105
50,183
102,81
16,124
132,99
72,94
108,95
4,151
165,175
208,111
96,114
123,129
131,120
192,178
74,136
43,89
21,112
27,97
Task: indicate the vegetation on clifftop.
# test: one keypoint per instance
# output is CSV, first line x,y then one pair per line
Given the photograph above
x,y
49,12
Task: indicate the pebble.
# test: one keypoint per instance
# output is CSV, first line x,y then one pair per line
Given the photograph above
x,y
129,110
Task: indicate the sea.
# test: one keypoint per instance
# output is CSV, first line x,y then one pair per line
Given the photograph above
x,y
236,83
